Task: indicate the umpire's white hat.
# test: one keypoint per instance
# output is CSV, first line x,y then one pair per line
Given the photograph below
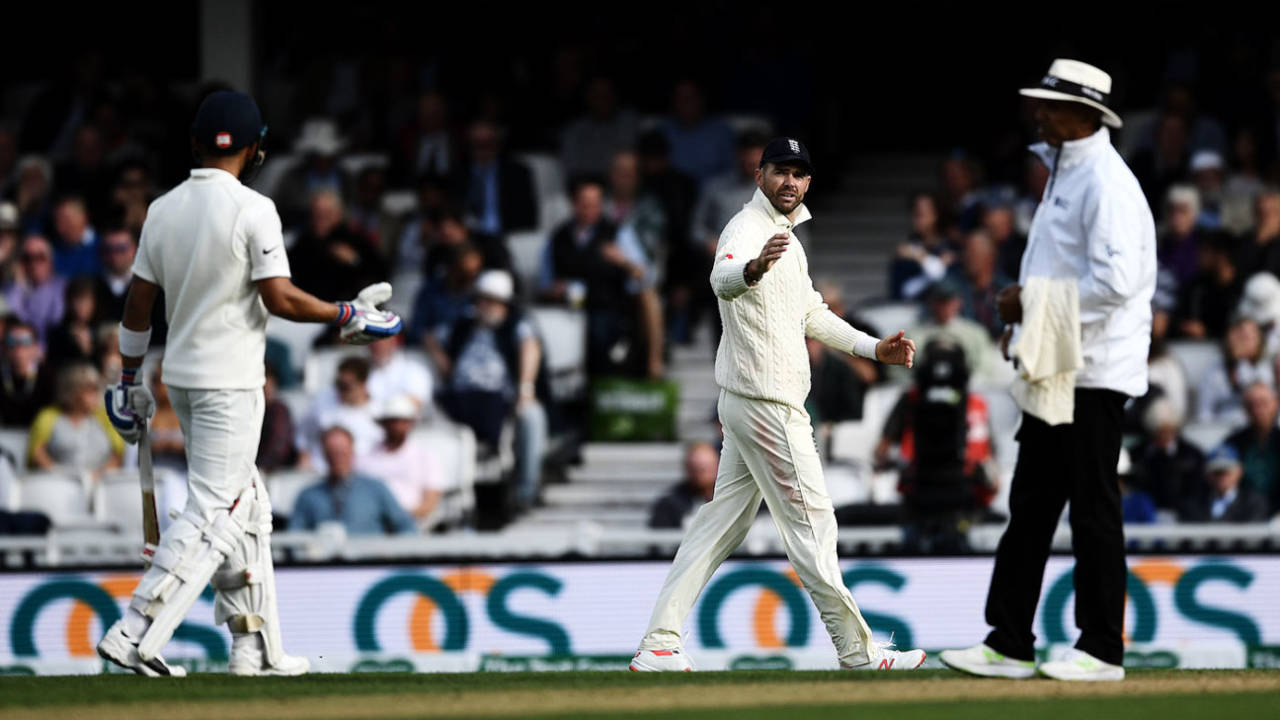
x,y
1075,81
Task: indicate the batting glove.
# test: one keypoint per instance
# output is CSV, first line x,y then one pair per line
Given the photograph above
x,y
361,321
129,405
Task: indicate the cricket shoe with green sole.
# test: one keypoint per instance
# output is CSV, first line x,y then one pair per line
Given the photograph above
x,y
981,660
1080,666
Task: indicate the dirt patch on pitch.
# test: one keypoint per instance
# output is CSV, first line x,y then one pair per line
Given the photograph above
x,y
650,699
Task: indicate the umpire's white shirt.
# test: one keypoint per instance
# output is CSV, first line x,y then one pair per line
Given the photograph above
x,y
1093,224
205,243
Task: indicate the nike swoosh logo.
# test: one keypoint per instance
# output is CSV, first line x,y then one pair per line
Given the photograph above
x,y
268,252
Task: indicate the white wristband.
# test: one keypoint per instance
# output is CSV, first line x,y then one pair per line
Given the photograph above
x,y
865,346
134,343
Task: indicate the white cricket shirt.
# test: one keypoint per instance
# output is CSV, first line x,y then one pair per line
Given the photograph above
x,y
205,243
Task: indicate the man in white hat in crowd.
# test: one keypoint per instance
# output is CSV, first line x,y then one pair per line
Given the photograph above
x,y
1092,226
491,364
319,144
407,466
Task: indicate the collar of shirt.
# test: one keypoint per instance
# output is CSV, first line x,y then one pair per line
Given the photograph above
x,y
762,204
1073,152
217,174
1222,502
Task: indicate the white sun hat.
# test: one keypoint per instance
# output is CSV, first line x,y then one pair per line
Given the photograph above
x,y
320,136
1075,81
495,284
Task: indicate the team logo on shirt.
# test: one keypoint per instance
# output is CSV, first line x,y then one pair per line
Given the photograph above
x,y
1059,201
222,140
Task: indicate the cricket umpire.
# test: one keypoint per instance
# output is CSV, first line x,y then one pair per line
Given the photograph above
x,y
768,306
215,248
1092,227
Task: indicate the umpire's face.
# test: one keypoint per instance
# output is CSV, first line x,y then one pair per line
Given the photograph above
x,y
785,185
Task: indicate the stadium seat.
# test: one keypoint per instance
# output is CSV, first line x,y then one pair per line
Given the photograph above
x,y
1198,358
14,442
564,341
1206,435
526,250
890,317
854,441
355,163
273,171
405,285
60,497
117,500
550,188
743,123
284,487
297,336
399,203
321,366
455,449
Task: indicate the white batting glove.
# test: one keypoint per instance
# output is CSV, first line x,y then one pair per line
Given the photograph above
x,y
129,405
361,321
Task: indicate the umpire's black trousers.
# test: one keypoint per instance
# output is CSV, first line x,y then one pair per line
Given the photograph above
x,y
1075,462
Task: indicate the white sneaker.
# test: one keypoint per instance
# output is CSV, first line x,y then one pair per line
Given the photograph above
x,y
122,650
983,661
1079,665
247,659
671,660
886,658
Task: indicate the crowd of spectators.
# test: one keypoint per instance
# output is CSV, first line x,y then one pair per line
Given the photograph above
x,y
646,199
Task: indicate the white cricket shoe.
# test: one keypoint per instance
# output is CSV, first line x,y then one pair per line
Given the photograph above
x,y
981,660
1080,666
247,658
122,650
670,660
885,657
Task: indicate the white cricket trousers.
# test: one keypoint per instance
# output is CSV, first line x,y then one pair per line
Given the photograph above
x,y
769,453
221,429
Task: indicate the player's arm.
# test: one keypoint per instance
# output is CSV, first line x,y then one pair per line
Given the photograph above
x,y
741,260
286,300
361,320
130,402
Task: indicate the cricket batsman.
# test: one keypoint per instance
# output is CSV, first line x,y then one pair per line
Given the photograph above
x,y
768,306
215,248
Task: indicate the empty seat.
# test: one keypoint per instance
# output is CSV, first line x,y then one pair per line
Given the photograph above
x,y
298,337
564,343
14,442
285,486
60,497
526,250
889,318
1198,358
117,500
454,447
321,366
1207,435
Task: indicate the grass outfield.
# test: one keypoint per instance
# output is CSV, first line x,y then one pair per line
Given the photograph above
x,y
934,695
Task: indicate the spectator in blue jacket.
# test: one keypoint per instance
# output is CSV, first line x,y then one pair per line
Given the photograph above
x,y
362,504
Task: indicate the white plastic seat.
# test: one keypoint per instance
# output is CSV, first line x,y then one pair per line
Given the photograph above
x,y
889,318
1207,435
285,486
15,443
526,250
117,499
60,497
564,344
298,337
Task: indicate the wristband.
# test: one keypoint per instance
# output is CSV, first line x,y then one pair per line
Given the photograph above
x,y
129,375
345,312
134,343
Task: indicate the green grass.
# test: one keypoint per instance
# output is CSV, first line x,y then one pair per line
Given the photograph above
x,y
1215,694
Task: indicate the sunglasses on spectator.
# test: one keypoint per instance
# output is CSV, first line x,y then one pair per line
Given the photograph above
x,y
19,340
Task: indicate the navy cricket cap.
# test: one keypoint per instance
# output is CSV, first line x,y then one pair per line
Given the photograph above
x,y
227,121
786,150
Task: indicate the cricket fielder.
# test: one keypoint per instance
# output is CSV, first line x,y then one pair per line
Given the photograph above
x,y
215,248
768,306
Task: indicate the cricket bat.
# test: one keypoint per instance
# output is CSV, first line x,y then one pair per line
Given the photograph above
x,y
147,478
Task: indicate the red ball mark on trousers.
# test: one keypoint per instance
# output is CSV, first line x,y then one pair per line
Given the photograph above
x,y
729,256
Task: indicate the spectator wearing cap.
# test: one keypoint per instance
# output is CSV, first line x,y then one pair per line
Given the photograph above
x,y
319,144
9,245
1245,362
1259,249
404,463
1261,303
1206,176
330,259
1001,225
497,189
1221,497
25,382
491,367
346,403
361,504
589,143
1258,443
926,255
37,295
395,374
1179,246
1165,466
943,318
979,279
701,146
1206,302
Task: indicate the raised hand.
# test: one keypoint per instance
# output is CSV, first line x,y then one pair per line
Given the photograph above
x,y
897,350
361,321
769,255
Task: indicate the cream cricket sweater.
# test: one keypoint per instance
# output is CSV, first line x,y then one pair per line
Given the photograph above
x,y
762,352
